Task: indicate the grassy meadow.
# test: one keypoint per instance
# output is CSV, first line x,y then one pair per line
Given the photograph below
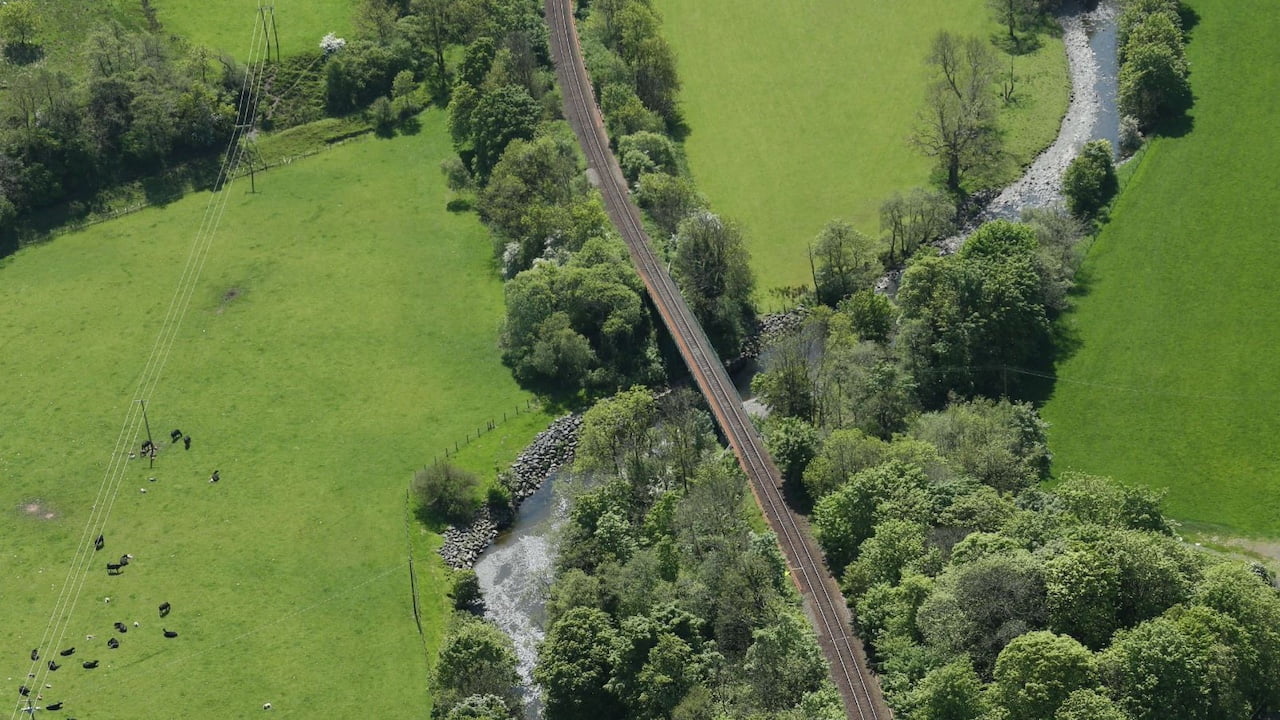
x,y
801,114
1176,379
227,25
343,333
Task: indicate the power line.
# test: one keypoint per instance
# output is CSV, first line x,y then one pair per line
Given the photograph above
x,y
108,489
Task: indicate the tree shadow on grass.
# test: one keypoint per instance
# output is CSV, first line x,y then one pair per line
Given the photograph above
x,y
23,53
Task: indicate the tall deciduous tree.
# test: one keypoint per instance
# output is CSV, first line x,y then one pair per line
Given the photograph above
x,y
712,266
844,261
1036,672
957,125
574,664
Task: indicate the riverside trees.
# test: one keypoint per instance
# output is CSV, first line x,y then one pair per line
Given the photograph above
x,y
957,125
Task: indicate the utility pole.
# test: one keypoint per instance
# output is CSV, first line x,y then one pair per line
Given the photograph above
x,y
151,454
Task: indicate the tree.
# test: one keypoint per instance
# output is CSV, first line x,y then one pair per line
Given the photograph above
x,y
788,383
466,591
1089,705
783,662
447,490
1036,672
685,432
978,607
1001,444
477,659
894,544
646,152
616,433
1090,181
915,219
1153,83
1015,15
19,26
437,21
1235,590
624,112
844,262
479,707
713,268
574,664
951,692
957,125
668,198
793,443
500,116
844,518
1058,236
1184,664
871,315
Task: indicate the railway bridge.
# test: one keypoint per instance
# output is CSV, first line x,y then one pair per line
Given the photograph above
x,y
823,602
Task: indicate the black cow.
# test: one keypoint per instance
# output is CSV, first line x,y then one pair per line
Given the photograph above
x,y
186,442
69,651
35,654
164,609
99,543
175,435
89,664
113,643
146,446
55,706
170,634
23,690
114,568
53,666
122,627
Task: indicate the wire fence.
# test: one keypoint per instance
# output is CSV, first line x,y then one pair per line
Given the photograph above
x,y
530,406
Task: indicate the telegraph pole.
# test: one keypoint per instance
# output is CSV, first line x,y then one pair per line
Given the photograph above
x,y
151,455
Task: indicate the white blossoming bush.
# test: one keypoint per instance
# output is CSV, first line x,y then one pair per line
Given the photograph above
x,y
331,44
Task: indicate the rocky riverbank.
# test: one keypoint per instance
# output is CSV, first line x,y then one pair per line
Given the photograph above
x,y
551,450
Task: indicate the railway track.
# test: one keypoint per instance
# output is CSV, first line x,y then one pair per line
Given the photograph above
x,y
823,602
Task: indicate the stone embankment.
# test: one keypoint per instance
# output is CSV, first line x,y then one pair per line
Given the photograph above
x,y
551,450
770,327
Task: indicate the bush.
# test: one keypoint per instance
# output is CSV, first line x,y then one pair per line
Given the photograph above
x,y
384,115
447,491
1090,181
466,592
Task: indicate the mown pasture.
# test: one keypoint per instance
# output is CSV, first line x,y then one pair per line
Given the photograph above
x,y
227,26
342,334
801,113
1176,378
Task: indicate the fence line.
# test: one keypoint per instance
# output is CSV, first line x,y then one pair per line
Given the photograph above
x,y
491,425
413,572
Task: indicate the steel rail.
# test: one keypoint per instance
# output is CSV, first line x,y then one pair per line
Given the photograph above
x,y
828,612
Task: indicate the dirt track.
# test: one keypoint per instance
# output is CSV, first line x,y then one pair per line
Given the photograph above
x,y
823,601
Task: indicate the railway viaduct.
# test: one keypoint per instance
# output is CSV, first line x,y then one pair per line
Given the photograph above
x,y
823,602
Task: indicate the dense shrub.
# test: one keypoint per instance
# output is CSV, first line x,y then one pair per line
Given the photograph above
x,y
1090,181
445,490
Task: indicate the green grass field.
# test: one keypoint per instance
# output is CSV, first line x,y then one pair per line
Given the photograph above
x,y
801,114
227,25
1177,379
342,334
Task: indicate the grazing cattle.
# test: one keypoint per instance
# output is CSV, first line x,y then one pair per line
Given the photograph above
x,y
35,654
89,664
99,543
53,666
175,435
164,609
113,643
266,706
124,559
122,627
169,633
186,443
23,690
67,652
54,706
147,446
114,568
215,477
